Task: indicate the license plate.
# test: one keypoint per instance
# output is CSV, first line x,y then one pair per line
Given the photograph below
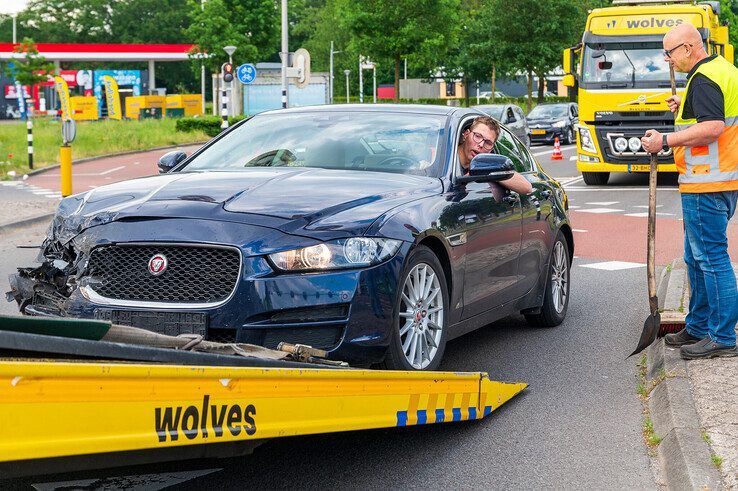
x,y
640,168
169,323
538,132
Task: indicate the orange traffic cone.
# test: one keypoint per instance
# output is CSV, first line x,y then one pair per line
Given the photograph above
x,y
557,155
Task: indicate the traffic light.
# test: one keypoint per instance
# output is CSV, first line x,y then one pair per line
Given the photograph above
x,y
227,69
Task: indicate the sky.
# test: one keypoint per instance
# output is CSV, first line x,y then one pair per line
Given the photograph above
x,y
10,6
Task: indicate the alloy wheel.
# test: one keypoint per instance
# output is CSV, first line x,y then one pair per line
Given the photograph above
x,y
421,316
559,277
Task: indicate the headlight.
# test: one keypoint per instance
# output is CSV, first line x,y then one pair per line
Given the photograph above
x,y
634,144
339,254
621,144
585,139
559,124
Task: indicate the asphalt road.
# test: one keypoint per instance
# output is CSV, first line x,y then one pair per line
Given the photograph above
x,y
578,425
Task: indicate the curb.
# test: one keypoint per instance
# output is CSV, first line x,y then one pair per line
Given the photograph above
x,y
105,156
683,454
15,226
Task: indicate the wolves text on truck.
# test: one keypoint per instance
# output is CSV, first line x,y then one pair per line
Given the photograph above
x,y
623,81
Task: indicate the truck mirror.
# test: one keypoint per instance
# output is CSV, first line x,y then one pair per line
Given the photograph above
x,y
566,65
569,80
604,65
598,53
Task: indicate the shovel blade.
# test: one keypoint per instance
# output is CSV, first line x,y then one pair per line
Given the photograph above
x,y
650,331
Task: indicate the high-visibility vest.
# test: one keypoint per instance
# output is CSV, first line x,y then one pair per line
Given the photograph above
x,y
712,168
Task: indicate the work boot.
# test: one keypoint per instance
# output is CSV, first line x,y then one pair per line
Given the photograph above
x,y
707,348
680,338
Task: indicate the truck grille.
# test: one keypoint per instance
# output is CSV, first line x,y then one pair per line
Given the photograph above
x,y
195,274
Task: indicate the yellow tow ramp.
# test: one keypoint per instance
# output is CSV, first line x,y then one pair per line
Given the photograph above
x,y
51,409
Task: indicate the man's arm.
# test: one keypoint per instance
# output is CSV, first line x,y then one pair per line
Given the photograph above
x,y
698,135
518,183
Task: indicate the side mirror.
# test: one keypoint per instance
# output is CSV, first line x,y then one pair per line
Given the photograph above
x,y
569,80
488,167
605,65
566,65
598,53
170,160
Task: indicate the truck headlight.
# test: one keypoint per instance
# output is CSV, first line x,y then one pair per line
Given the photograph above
x,y
634,144
338,254
559,124
621,144
585,139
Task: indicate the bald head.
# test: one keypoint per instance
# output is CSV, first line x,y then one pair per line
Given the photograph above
x,y
685,48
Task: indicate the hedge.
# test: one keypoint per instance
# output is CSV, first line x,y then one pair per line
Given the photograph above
x,y
210,125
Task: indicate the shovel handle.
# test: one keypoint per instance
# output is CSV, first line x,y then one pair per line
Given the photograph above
x,y
672,80
651,246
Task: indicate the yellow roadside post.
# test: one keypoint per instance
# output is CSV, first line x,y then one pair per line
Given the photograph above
x,y
69,131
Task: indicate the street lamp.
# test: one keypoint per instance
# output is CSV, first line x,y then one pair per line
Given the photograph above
x,y
330,85
347,84
15,16
229,51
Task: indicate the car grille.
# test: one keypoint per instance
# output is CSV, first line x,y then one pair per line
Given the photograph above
x,y
195,274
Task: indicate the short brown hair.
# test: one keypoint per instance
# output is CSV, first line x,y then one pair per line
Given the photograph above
x,y
488,122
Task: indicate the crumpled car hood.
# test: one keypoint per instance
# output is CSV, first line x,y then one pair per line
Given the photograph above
x,y
294,200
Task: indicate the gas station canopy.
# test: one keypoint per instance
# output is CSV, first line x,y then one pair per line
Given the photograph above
x,y
105,52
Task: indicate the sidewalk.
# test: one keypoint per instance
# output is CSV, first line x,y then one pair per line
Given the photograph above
x,y
694,405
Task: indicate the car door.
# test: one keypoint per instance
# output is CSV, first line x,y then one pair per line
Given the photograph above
x,y
537,223
488,218
525,130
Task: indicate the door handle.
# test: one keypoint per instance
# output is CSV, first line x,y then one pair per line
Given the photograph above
x,y
510,199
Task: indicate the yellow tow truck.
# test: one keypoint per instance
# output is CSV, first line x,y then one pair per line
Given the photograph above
x,y
623,81
81,394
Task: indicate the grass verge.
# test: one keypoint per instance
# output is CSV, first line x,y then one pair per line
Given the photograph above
x,y
94,138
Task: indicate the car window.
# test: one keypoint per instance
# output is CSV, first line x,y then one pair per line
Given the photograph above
x,y
529,164
519,112
507,146
510,115
576,110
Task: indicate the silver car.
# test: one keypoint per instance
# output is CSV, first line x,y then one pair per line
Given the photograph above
x,y
511,116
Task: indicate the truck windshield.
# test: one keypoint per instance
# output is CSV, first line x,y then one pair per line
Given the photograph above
x,y
626,65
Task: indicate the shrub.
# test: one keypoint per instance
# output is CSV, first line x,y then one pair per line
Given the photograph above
x,y
210,125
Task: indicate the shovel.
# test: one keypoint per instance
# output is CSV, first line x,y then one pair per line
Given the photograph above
x,y
653,321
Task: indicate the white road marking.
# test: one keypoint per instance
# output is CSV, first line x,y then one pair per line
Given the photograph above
x,y
567,147
646,206
613,265
644,214
601,210
600,188
11,183
603,203
573,181
114,169
574,207
572,158
136,163
578,230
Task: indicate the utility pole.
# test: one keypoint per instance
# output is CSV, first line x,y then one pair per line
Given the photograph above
x,y
15,16
361,82
202,69
330,80
405,68
374,82
347,84
285,54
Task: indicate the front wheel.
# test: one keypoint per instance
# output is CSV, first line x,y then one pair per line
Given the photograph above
x,y
556,296
595,178
419,327
570,137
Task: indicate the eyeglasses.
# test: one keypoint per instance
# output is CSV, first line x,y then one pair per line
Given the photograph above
x,y
479,138
668,52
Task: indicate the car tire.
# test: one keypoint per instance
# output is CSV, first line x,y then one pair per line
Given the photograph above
x,y
595,178
570,138
416,320
556,295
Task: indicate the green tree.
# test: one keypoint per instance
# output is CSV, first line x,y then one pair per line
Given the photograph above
x,y
28,67
389,30
252,26
546,27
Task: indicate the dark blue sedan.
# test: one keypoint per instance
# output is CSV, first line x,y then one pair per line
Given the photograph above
x,y
346,228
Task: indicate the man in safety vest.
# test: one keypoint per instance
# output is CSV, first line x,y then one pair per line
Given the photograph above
x,y
706,155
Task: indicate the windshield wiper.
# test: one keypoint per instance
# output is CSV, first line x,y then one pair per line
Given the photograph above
x,y
633,73
613,86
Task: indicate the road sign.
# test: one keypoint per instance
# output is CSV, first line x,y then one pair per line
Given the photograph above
x,y
69,131
246,73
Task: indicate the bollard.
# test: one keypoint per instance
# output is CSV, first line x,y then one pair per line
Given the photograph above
x,y
65,167
29,126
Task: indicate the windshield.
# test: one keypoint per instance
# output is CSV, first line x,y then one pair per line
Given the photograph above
x,y
365,141
493,111
548,111
633,64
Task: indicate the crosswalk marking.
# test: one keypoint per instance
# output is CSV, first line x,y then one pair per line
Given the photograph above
x,y
643,214
603,203
600,210
613,265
